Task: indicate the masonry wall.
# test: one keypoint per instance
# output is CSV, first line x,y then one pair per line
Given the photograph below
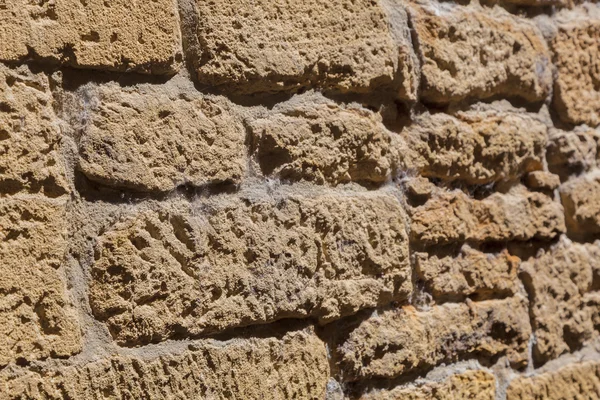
x,y
299,199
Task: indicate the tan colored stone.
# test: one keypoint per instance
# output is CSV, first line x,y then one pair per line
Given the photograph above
x,y
580,199
475,385
472,52
542,180
451,217
160,274
577,61
254,46
468,272
152,139
557,282
115,35
29,135
324,143
293,367
476,147
571,382
572,152
36,318
405,340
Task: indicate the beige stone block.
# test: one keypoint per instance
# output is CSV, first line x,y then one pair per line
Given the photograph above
x,y
580,200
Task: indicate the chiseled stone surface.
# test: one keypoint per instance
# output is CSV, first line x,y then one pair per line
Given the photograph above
x,y
116,35
474,52
156,140
291,367
37,320
405,340
571,382
161,274
254,46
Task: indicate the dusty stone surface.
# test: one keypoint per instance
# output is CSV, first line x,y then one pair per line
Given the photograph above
x,y
404,340
37,320
30,135
157,140
577,61
293,366
262,46
453,216
324,143
574,381
572,152
563,310
92,34
542,180
477,147
472,52
162,274
477,385
580,199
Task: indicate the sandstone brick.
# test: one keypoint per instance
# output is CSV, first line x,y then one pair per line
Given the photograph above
x,y
476,147
113,35
404,340
580,199
558,281
156,139
571,382
293,367
265,46
542,180
36,317
324,143
577,61
29,135
451,217
467,272
572,152
166,273
476,385
470,52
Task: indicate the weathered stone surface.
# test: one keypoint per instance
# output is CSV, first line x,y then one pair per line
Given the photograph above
x,y
36,318
115,35
401,341
155,140
471,52
580,199
476,385
558,281
324,143
29,135
265,46
577,61
572,152
450,217
476,147
542,180
293,367
164,274
571,382
467,272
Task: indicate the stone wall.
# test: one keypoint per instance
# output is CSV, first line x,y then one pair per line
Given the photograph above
x,y
299,199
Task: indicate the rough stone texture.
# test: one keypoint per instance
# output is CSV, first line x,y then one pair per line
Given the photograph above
x,y
468,272
293,367
164,274
577,60
472,52
324,143
476,385
580,199
154,140
36,317
571,382
93,34
451,217
559,282
400,341
265,46
477,147
29,135
572,152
